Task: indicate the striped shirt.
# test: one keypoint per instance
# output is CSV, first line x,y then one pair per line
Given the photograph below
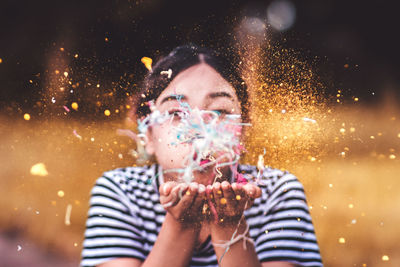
x,y
125,217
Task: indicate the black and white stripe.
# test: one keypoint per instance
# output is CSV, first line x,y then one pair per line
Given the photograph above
x,y
125,217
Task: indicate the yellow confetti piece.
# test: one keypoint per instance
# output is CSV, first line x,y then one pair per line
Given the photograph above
x,y
147,62
392,156
385,257
238,197
356,99
39,169
61,193
27,117
342,240
65,74
107,112
223,201
68,215
74,105
1,60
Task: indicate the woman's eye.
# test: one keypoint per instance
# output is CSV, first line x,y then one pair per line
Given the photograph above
x,y
221,111
176,114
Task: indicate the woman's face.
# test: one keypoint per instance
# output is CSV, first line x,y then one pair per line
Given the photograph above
x,y
201,87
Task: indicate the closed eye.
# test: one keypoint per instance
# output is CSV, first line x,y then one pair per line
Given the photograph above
x,y
221,111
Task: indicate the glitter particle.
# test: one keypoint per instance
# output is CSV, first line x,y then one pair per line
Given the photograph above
x,y
27,117
385,257
39,169
342,240
60,193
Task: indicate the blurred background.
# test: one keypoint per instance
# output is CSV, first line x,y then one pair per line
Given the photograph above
x,y
324,84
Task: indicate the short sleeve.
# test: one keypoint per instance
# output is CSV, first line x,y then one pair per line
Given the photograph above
x,y
112,230
286,229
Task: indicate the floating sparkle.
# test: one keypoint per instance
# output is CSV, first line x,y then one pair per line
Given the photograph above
x,y
385,257
65,74
27,117
74,105
147,62
309,120
39,169
342,240
392,156
61,193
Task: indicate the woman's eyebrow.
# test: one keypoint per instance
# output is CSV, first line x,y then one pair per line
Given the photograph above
x,y
220,94
173,97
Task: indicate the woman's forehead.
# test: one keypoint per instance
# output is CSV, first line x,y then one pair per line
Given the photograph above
x,y
198,81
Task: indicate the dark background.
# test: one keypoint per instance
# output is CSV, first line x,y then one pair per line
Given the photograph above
x,y
361,34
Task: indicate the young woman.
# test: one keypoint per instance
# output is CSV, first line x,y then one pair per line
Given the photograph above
x,y
152,216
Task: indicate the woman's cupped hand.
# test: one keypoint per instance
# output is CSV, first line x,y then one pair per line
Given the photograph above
x,y
219,203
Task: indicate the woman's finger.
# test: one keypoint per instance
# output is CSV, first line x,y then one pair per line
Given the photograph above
x,y
188,193
173,197
228,194
217,193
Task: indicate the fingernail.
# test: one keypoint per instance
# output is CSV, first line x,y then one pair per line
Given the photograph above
x,y
194,186
202,188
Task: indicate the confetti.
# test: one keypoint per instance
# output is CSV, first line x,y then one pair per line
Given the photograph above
x,y
68,215
66,108
77,135
107,112
342,240
39,169
19,248
147,62
385,257
167,72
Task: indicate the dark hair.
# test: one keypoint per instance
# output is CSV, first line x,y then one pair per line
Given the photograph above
x,y
180,59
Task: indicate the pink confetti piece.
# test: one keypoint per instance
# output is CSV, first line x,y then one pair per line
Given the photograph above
x,y
76,134
66,108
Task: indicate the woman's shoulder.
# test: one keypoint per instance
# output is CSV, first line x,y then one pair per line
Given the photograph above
x,y
128,178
